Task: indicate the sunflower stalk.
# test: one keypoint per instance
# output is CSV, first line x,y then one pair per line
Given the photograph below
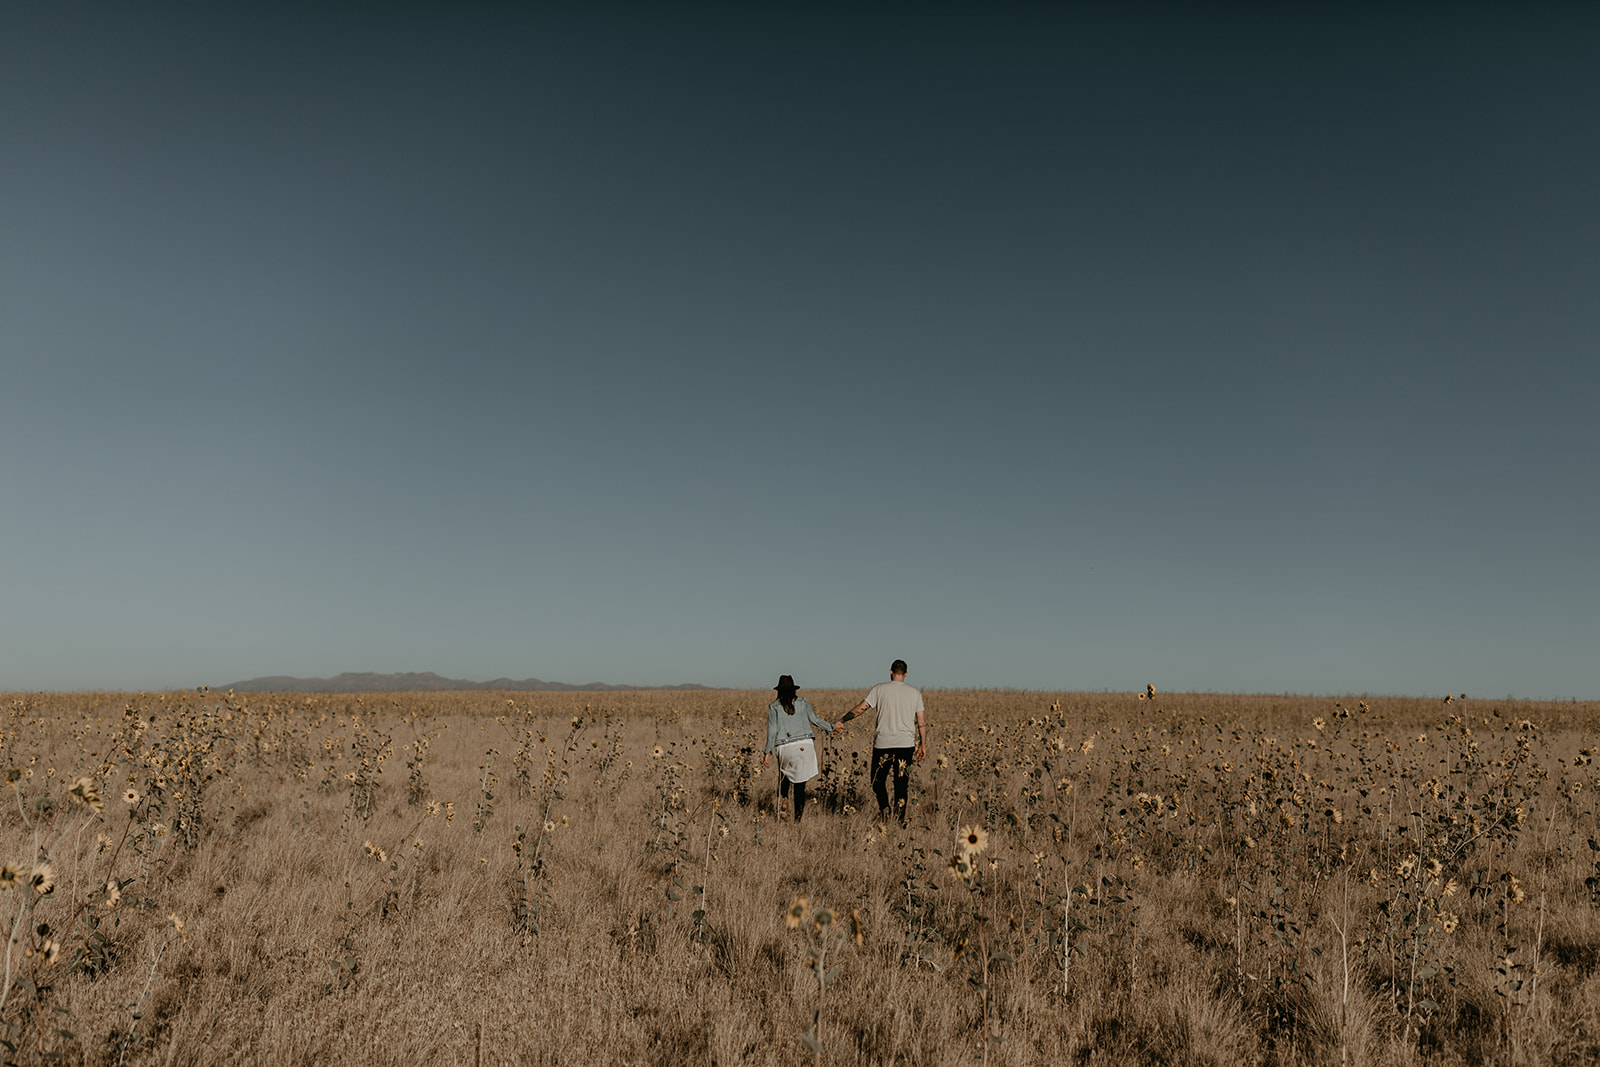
x,y
175,929
701,928
1066,931
966,867
825,936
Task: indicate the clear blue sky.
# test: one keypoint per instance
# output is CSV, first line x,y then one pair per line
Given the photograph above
x,y
1232,349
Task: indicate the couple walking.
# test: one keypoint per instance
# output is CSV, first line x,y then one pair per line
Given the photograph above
x,y
902,737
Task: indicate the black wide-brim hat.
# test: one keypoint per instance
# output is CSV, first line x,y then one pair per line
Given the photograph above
x,y
786,684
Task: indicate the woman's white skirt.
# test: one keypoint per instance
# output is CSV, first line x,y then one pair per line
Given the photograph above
x,y
798,760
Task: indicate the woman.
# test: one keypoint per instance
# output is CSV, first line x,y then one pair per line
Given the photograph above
x,y
790,733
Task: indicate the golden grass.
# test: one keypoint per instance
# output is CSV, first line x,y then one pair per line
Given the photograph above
x,y
473,878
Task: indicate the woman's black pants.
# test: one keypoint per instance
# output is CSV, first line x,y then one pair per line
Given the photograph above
x,y
799,794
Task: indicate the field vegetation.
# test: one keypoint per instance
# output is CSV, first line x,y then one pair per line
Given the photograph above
x,y
558,878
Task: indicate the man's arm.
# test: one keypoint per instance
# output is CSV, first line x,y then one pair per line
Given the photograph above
x,y
852,713
922,737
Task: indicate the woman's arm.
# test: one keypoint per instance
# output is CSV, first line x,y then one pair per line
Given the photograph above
x,y
817,720
772,730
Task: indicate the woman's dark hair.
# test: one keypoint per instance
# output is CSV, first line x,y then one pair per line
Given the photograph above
x,y
786,691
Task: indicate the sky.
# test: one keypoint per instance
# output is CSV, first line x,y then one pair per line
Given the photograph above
x,y
1234,348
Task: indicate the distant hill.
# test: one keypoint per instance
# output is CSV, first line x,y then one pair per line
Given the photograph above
x,y
367,682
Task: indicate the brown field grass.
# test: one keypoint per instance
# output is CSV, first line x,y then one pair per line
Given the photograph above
x,y
489,878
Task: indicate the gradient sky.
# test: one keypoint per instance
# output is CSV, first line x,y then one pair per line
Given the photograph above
x,y
1233,349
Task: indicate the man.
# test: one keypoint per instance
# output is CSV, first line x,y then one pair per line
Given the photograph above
x,y
902,737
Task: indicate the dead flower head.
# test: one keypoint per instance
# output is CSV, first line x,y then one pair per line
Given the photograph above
x,y
85,792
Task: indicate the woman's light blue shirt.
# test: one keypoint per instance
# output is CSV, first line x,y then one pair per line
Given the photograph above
x,y
783,727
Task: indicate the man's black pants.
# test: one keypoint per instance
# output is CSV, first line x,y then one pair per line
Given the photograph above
x,y
896,762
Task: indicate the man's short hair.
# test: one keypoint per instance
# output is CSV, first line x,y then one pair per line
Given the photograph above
x,y
898,667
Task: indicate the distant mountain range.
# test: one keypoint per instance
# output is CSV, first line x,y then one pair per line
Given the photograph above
x,y
367,682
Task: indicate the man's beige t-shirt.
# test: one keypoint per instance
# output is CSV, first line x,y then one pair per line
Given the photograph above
x,y
898,705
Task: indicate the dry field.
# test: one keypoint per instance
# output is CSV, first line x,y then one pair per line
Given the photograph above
x,y
489,878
